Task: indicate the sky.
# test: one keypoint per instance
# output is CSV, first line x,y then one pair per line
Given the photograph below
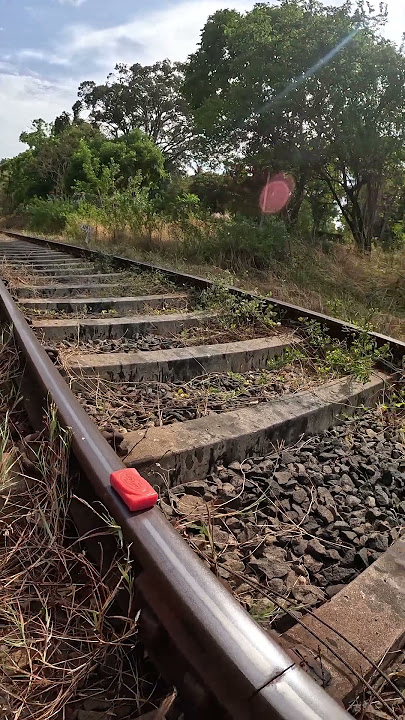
x,y
47,47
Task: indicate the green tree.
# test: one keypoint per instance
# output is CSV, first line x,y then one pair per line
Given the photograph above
x,y
148,98
20,181
55,149
55,161
133,154
308,89
216,191
61,123
37,136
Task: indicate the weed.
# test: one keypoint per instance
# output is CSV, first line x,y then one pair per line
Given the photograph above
x,y
356,355
264,611
235,311
104,263
287,357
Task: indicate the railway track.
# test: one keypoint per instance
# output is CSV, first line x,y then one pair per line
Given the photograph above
x,y
164,387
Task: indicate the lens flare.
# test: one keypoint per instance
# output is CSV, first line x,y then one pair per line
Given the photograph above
x,y
276,193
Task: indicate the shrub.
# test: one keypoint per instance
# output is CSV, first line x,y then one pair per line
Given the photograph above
x,y
48,215
85,214
303,228
237,243
235,311
354,356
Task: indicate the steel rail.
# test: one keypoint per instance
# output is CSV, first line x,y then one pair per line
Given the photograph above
x,y
337,328
229,655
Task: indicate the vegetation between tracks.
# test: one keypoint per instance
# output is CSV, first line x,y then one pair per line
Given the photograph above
x,y
312,358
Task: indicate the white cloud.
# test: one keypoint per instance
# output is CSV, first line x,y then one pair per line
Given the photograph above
x,y
173,33
32,54
23,98
75,3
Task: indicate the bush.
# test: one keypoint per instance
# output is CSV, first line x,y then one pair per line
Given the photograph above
x,y
303,228
85,214
235,311
237,243
48,215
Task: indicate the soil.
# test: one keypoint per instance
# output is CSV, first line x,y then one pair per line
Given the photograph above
x,y
301,522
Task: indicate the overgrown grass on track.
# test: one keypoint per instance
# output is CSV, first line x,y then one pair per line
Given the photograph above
x,y
368,290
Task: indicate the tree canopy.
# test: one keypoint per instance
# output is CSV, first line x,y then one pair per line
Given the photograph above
x,y
148,98
305,88
295,87
55,161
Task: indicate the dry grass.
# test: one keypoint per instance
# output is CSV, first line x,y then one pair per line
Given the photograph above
x,y
14,275
54,624
366,290
369,707
62,641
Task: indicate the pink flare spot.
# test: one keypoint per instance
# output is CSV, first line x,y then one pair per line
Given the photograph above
x,y
276,194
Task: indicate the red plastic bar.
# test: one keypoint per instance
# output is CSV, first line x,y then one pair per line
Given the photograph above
x,y
133,489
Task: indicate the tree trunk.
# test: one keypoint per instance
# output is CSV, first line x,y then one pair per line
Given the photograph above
x,y
372,203
361,231
293,209
353,213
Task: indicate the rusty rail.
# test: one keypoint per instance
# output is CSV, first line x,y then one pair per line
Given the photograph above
x,y
218,655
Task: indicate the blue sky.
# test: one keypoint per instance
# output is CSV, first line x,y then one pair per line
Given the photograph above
x,y
47,47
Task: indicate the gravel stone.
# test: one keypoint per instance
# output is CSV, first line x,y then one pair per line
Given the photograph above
x,y
377,541
352,501
300,496
381,497
333,590
317,550
228,490
356,484
282,477
312,565
270,569
300,547
337,574
326,515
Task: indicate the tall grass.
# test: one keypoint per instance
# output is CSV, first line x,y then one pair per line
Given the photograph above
x,y
58,625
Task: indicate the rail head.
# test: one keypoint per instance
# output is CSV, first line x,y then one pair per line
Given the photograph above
x,y
242,666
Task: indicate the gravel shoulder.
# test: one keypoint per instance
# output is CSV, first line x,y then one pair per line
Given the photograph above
x,y
302,522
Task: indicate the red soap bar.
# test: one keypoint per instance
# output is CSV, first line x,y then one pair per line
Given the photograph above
x,y
134,490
